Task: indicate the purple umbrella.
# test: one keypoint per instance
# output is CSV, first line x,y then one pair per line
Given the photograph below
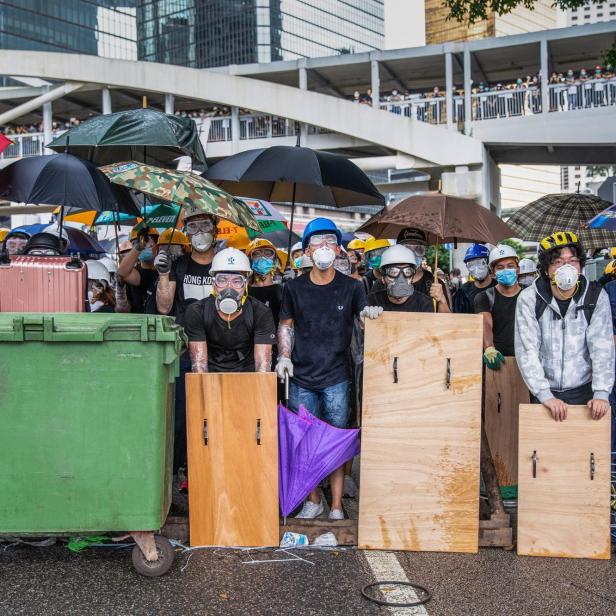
x,y
309,450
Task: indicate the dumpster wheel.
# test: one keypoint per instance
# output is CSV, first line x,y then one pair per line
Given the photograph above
x,y
155,568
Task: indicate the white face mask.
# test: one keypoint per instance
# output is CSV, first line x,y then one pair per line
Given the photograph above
x,y
323,257
479,271
201,241
566,277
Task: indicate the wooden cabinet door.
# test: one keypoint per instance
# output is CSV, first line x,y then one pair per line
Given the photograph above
x,y
505,390
563,507
421,433
232,459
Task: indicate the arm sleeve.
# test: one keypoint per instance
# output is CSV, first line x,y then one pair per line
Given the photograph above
x,y
611,293
601,348
360,301
527,344
482,302
265,330
194,324
286,305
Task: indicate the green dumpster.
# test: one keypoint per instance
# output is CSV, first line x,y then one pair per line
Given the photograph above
x,y
86,416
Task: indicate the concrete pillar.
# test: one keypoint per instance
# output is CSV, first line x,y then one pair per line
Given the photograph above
x,y
467,92
235,129
544,63
449,89
169,104
303,85
106,101
47,126
375,83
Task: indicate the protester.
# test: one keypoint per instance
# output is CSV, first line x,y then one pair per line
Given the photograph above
x,y
305,265
609,273
44,245
15,242
101,296
476,260
136,270
263,258
610,289
342,263
562,345
497,306
296,253
528,272
314,335
373,250
398,269
355,250
230,331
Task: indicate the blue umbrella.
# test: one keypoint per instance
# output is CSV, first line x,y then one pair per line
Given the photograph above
x,y
78,241
604,220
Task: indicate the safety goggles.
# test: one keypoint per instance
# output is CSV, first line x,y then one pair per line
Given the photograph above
x,y
43,252
323,240
236,281
393,271
265,253
199,226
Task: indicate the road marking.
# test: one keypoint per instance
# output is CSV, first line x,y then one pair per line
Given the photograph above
x,y
385,566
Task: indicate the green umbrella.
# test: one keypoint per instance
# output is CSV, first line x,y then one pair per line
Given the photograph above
x,y
145,135
181,188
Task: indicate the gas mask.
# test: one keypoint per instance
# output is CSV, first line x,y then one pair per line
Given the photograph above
x,y
262,266
565,277
398,279
323,257
478,269
202,241
229,301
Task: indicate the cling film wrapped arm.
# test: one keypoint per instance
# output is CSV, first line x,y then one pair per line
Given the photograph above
x,y
601,348
527,344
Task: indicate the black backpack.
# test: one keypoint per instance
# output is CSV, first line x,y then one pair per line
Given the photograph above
x,y
588,307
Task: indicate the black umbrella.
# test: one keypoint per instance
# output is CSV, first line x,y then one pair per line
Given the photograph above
x,y
294,174
144,135
64,180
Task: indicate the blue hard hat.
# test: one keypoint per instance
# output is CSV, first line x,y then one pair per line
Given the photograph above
x,y
320,225
476,251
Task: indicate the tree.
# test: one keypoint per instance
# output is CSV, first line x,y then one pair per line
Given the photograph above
x,y
517,246
472,11
443,257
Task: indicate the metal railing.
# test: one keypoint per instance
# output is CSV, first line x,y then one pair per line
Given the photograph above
x,y
585,95
431,110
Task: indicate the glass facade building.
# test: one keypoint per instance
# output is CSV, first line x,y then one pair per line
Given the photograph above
x,y
206,33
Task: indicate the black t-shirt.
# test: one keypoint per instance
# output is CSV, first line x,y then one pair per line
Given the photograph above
x,y
464,299
105,308
139,296
195,285
563,305
323,318
426,281
230,345
503,319
418,302
271,296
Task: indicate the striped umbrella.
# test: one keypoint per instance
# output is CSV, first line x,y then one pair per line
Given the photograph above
x,y
562,212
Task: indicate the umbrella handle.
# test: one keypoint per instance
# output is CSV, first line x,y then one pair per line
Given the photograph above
x,y
436,281
286,388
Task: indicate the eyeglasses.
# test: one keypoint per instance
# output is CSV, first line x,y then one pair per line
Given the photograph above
x,y
196,226
395,270
322,240
230,280
266,253
560,262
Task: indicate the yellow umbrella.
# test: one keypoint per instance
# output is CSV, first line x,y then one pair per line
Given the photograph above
x,y
236,236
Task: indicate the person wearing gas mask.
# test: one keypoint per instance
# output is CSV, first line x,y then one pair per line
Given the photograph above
x,y
397,270
497,306
137,272
563,342
476,260
316,324
263,258
229,331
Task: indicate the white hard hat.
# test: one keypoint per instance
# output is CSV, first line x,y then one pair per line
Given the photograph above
x,y
296,246
230,260
527,266
398,255
305,262
98,271
502,251
110,264
192,210
55,230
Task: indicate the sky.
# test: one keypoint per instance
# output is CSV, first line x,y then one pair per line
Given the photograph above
x,y
404,24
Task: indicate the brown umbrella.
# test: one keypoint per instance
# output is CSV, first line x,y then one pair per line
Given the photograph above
x,y
442,217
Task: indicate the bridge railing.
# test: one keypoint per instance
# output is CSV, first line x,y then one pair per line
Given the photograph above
x,y
431,110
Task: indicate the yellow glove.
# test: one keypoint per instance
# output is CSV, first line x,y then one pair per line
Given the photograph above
x,y
493,358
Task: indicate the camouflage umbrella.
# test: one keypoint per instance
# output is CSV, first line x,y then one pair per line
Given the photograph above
x,y
182,188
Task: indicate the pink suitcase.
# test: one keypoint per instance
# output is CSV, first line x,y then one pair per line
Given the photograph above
x,y
42,284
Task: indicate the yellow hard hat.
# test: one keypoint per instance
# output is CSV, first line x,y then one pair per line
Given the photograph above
x,y
613,253
282,257
610,268
374,244
4,231
356,244
134,234
259,243
173,236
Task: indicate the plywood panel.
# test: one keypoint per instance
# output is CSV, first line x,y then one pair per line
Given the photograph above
x,y
562,511
419,486
505,390
232,480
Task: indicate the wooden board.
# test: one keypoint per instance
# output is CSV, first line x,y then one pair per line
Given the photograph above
x,y
232,480
505,390
419,487
562,512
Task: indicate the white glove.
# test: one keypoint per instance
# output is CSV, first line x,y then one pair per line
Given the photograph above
x,y
370,312
284,366
162,263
